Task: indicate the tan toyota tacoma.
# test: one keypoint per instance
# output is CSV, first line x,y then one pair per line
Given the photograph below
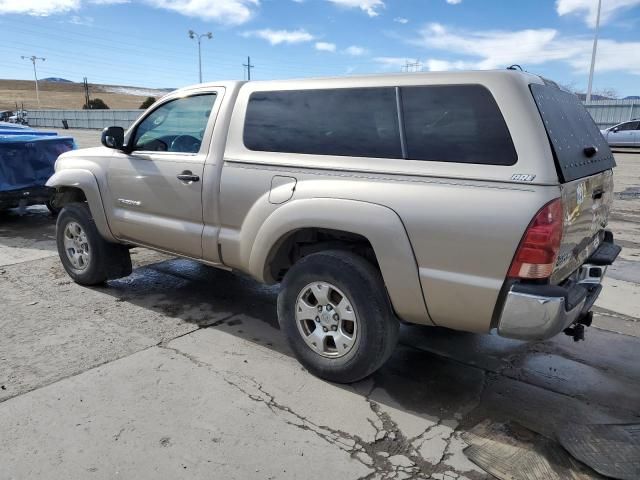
x,y
476,201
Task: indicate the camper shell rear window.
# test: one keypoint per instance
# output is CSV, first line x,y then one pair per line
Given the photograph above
x,y
572,133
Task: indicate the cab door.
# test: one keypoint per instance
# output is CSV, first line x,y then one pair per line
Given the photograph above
x,y
156,183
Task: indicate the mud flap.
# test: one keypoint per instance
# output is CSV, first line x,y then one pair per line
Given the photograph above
x,y
509,451
611,450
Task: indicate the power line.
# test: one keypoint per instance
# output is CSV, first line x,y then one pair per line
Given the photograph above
x,y
179,54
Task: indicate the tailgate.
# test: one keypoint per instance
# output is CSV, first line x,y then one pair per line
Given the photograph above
x,y
586,203
583,161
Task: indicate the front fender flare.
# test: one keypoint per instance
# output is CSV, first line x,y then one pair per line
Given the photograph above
x,y
378,224
85,181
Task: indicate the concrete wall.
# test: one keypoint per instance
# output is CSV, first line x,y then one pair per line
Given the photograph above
x,y
608,113
83,118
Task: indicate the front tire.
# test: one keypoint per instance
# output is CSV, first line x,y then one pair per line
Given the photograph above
x,y
85,255
335,312
53,209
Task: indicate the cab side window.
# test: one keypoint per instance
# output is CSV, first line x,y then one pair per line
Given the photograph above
x,y
176,126
628,126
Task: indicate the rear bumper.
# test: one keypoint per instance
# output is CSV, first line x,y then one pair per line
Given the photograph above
x,y
538,312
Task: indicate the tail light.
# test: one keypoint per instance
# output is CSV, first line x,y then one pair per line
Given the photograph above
x,y
540,244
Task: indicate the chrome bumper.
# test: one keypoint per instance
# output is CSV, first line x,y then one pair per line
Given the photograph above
x,y
538,312
527,315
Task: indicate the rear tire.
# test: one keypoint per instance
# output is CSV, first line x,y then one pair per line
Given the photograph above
x,y
85,255
335,312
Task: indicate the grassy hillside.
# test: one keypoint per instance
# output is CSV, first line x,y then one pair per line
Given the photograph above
x,y
63,95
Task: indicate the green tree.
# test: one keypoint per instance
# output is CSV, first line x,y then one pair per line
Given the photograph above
x,y
96,104
148,102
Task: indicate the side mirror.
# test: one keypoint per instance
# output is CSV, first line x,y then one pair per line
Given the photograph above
x,y
113,137
615,130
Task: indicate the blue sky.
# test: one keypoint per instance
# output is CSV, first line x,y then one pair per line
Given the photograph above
x,y
145,42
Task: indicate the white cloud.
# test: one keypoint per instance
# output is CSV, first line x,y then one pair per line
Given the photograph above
x,y
371,7
231,12
78,20
392,62
454,2
588,9
38,7
612,56
401,20
276,37
355,50
497,48
325,46
490,49
109,2
436,65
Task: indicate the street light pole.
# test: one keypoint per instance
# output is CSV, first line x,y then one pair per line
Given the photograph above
x,y
593,53
198,37
33,59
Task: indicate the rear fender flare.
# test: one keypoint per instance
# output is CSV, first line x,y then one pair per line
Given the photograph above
x,y
378,224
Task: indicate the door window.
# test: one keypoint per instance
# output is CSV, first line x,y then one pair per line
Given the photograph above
x,y
628,126
175,126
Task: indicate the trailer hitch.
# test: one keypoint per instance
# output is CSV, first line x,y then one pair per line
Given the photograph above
x,y
576,330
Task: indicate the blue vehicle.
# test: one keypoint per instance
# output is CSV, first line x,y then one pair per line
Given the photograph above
x,y
27,159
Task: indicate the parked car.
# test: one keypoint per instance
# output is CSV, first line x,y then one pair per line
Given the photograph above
x,y
27,159
13,126
626,134
464,200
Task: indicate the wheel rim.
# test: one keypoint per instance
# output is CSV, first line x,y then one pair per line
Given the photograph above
x,y
326,320
76,246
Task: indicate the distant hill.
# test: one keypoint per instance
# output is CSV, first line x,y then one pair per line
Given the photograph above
x,y
56,80
632,97
63,94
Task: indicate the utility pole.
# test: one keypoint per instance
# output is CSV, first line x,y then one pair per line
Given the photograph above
x,y
249,67
33,59
412,66
593,53
86,93
199,37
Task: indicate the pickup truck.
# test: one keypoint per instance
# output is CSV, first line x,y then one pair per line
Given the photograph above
x,y
476,201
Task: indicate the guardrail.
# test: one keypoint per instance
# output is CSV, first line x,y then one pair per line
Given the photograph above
x,y
82,118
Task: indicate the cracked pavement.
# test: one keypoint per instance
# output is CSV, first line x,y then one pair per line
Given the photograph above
x,y
180,371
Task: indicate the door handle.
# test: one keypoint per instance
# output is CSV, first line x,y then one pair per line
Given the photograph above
x,y
188,177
